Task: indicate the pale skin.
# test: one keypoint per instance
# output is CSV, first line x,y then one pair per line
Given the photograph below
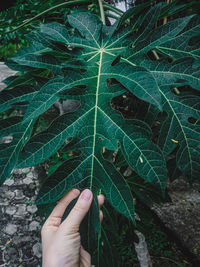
x,y
61,243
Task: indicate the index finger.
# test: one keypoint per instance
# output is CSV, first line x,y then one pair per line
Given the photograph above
x,y
59,209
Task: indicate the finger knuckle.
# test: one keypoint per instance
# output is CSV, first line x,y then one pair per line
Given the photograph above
x,y
77,208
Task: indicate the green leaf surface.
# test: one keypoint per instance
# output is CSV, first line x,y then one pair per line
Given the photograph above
x,y
181,45
179,130
9,151
159,36
181,72
93,64
21,94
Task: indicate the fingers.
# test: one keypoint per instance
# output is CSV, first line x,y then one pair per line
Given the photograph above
x,y
72,222
101,216
59,209
101,199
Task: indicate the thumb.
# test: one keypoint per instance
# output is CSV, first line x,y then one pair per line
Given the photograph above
x,y
71,224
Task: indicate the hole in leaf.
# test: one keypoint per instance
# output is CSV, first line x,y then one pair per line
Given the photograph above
x,y
193,121
194,40
111,81
67,106
116,60
162,116
176,90
6,140
154,55
185,89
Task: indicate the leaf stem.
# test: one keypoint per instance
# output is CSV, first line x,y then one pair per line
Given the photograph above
x,y
102,12
28,21
165,18
114,9
111,15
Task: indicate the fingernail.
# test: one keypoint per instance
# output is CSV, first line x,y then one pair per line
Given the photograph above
x,y
86,195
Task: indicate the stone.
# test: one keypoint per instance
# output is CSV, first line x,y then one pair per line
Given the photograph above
x,y
9,182
6,140
21,240
9,195
27,253
32,186
32,208
27,180
11,253
22,171
37,250
29,192
10,210
34,226
30,175
5,73
21,210
10,229
182,215
67,106
14,215
18,194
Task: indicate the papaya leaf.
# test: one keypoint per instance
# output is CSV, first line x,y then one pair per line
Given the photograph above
x,y
9,151
91,63
179,129
181,45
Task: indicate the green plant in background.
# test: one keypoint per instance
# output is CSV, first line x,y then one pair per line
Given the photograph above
x,y
92,63
25,16
30,13
117,241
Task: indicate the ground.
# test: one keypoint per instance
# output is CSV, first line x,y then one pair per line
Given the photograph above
x,y
20,243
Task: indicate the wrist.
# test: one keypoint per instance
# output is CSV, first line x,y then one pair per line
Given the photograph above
x,y
56,261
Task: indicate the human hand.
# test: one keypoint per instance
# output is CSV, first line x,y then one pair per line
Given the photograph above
x,y
61,244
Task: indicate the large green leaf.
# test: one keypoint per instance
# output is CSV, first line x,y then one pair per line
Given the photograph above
x,y
92,64
181,45
181,129
9,151
9,97
158,36
181,72
101,126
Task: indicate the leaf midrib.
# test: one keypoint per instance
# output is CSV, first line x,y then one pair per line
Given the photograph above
x,y
95,116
